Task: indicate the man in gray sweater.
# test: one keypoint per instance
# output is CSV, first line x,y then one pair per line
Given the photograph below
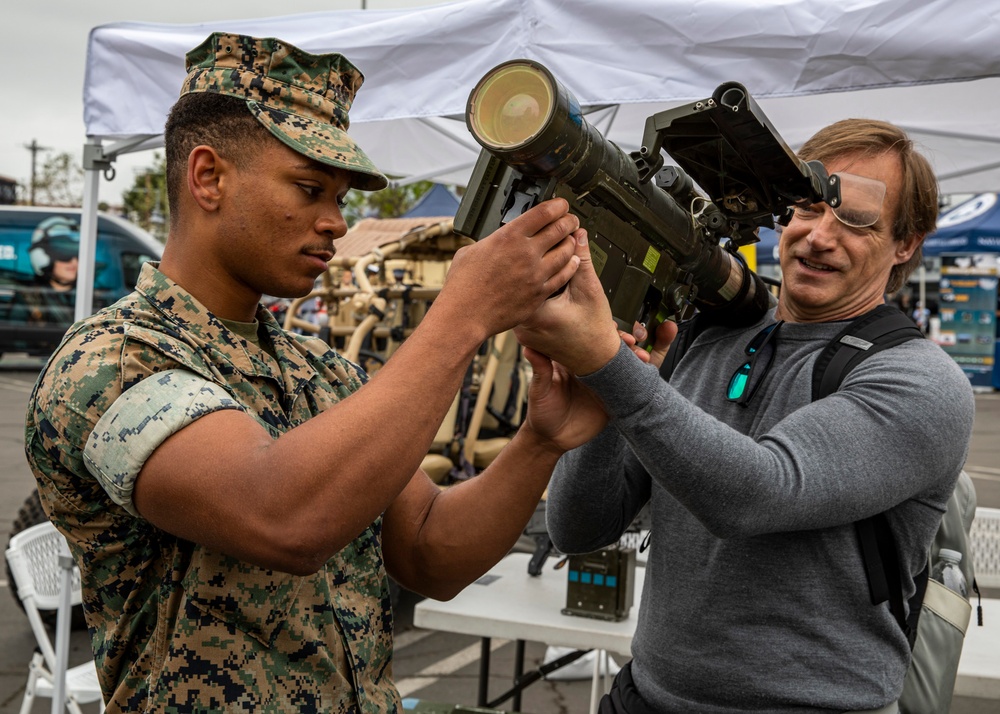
x,y
755,598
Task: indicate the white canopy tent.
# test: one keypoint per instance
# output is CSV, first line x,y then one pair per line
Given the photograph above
x,y
931,66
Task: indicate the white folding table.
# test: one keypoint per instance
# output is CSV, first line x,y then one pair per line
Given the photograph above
x,y
509,603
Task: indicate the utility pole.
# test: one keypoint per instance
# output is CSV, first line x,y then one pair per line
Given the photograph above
x,y
34,148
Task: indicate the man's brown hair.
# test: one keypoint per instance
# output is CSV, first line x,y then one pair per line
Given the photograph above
x,y
917,211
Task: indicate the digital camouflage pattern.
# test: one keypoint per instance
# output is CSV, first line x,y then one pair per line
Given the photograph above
x,y
177,627
303,99
141,419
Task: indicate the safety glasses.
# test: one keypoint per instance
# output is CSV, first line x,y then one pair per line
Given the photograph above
x,y
749,375
860,203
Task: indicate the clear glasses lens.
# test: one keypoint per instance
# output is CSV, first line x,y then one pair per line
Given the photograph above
x,y
860,200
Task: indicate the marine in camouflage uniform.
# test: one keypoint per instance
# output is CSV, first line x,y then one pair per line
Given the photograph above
x,y
178,627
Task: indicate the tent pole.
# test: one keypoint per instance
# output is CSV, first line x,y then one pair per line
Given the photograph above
x,y
950,134
97,159
922,305
460,139
431,175
94,162
966,172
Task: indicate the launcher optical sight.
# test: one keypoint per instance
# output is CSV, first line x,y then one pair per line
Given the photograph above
x,y
663,239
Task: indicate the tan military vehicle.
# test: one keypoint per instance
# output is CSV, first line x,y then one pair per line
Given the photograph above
x,y
381,283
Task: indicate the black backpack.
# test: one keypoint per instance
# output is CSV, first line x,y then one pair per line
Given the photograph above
x,y
936,652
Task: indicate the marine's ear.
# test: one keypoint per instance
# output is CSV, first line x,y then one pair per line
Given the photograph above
x,y
206,176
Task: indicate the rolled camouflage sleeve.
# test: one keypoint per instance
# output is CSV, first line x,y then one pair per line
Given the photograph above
x,y
141,419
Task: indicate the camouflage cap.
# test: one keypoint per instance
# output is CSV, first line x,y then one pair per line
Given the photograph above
x,y
301,98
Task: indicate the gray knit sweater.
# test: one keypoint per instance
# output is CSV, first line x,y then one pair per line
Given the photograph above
x,y
755,597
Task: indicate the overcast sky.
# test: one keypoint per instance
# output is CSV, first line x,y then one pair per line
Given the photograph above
x,y
47,47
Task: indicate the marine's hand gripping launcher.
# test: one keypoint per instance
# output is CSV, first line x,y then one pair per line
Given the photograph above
x,y
656,246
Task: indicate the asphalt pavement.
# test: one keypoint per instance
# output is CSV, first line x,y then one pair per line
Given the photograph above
x,y
432,666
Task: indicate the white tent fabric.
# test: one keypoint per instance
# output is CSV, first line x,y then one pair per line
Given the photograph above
x,y
807,62
929,65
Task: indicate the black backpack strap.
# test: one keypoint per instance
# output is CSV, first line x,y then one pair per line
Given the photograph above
x,y
916,600
884,327
881,561
869,534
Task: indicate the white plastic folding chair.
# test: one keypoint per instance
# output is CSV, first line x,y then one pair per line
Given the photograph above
x,y
985,538
34,559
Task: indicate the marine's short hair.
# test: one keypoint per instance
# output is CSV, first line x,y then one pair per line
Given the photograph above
x,y
917,210
222,122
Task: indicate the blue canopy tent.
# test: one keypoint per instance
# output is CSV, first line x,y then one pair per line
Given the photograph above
x,y
437,202
970,227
